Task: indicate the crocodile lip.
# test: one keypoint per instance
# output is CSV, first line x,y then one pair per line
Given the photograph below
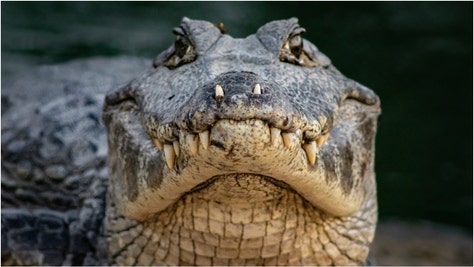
x,y
235,138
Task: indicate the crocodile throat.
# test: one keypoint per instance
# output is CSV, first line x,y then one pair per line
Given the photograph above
x,y
242,219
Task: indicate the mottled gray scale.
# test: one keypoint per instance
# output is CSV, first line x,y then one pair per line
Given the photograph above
x,y
54,160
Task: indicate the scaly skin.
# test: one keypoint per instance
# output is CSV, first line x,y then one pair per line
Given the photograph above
x,y
54,154
242,220
241,151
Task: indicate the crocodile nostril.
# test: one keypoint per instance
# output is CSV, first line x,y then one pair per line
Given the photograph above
x,y
219,93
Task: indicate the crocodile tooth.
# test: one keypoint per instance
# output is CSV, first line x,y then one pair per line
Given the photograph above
x,y
322,139
287,139
275,135
257,90
311,149
191,139
219,92
204,138
157,143
231,122
176,148
247,121
169,155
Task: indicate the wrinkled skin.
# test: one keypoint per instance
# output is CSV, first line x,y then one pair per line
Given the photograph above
x,y
241,151
253,151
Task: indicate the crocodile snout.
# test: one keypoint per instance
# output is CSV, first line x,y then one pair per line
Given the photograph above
x,y
237,96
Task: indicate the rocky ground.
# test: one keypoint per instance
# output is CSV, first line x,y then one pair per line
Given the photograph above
x,y
421,243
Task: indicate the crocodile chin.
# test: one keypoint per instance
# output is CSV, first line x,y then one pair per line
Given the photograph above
x,y
240,189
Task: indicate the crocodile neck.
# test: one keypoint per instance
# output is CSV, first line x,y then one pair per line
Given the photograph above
x,y
242,219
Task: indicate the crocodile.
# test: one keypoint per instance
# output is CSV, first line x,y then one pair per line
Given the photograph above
x,y
225,151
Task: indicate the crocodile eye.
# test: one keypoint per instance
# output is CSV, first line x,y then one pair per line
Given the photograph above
x,y
293,52
184,50
182,46
296,45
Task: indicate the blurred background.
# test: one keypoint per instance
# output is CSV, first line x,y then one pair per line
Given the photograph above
x,y
417,56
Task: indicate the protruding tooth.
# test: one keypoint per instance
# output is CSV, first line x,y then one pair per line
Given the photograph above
x,y
322,139
287,139
169,155
219,92
193,142
275,135
247,121
204,137
158,144
176,148
231,122
257,90
311,149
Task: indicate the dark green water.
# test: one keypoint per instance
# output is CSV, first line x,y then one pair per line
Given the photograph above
x,y
417,56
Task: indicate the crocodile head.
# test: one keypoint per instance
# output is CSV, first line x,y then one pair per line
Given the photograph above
x,y
231,128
